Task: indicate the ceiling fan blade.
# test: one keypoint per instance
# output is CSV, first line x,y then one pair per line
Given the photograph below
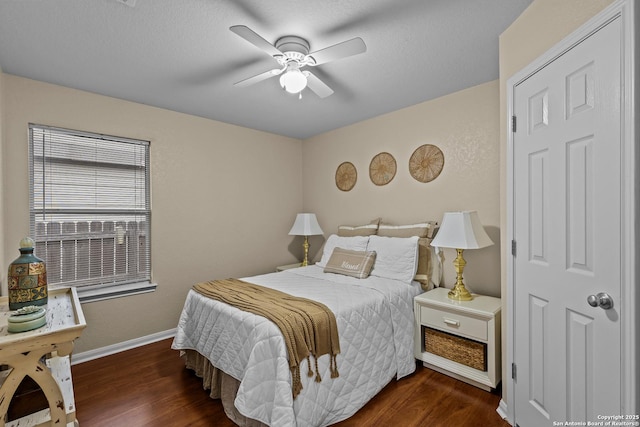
x,y
258,78
385,12
252,37
245,10
317,86
338,51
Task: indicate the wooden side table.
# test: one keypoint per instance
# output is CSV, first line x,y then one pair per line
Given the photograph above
x,y
43,355
459,338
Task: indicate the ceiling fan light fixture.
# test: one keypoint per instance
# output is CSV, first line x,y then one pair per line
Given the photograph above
x,y
292,54
293,81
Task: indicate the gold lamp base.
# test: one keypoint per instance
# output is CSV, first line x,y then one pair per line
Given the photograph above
x,y
305,245
459,292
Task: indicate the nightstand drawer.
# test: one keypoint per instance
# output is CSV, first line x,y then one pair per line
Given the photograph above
x,y
454,322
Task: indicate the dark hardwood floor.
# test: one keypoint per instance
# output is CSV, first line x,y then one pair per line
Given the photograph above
x,y
149,386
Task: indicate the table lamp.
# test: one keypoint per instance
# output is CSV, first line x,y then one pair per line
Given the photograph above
x,y
306,224
461,230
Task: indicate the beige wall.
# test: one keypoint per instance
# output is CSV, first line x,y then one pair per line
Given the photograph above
x,y
465,127
542,25
209,179
221,194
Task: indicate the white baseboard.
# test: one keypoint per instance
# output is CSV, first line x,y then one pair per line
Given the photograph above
x,y
86,356
502,410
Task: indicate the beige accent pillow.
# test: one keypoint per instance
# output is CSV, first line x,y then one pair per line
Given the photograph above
x,y
350,263
359,230
425,266
425,231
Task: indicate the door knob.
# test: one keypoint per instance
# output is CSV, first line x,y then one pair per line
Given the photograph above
x,y
602,300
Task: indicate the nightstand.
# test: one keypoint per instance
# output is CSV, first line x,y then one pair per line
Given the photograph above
x,y
459,338
288,266
44,355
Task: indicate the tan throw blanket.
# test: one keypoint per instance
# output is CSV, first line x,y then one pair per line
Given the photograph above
x,y
309,327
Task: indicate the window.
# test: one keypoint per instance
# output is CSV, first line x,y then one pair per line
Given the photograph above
x,y
90,211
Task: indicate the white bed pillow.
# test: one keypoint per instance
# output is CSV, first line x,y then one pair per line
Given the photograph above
x,y
396,257
354,243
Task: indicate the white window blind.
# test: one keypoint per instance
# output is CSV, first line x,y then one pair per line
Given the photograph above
x,y
90,207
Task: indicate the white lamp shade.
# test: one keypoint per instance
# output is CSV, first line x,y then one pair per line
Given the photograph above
x,y
461,230
293,81
306,224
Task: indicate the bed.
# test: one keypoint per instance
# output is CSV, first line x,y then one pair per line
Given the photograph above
x,y
243,359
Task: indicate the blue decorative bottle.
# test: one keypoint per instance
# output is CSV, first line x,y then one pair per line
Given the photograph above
x,y
27,278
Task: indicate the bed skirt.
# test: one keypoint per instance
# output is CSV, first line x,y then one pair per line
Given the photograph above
x,y
221,385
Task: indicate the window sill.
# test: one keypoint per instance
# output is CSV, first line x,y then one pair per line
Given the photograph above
x,y
99,293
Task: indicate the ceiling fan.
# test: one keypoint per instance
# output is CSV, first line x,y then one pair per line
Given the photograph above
x,y
292,54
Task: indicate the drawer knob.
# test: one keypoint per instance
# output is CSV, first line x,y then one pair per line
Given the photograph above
x,y
451,322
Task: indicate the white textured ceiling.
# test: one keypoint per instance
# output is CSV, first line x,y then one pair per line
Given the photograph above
x,y
180,55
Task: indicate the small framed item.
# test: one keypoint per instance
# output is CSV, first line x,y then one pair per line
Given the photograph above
x,y
346,176
382,168
426,163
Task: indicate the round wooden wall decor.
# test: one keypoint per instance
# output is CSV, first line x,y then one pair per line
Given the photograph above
x,y
382,168
346,176
426,163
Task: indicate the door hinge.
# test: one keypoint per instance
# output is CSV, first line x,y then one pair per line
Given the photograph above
x,y
513,371
513,247
513,124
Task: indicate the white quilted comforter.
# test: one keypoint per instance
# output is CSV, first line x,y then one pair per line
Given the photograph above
x,y
375,324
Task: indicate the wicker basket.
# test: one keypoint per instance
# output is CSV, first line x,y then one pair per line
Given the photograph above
x,y
462,350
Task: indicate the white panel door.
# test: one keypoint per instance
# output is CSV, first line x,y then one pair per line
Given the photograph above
x,y
567,219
